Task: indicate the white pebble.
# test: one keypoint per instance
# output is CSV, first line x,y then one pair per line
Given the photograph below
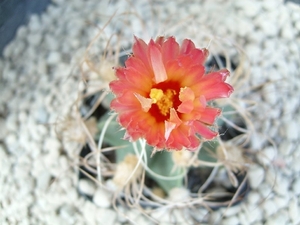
x,y
22,32
34,39
287,32
269,28
286,147
34,24
253,197
89,211
254,214
4,162
297,25
19,48
296,166
11,122
296,186
279,218
8,50
102,198
267,155
257,141
54,58
22,116
266,190
231,221
231,211
106,216
12,145
3,129
282,201
269,92
52,145
270,5
250,8
87,187
290,131
179,194
281,186
294,210
291,105
269,207
253,52
256,37
245,27
243,219
51,43
67,212
43,180
162,215
256,175
41,115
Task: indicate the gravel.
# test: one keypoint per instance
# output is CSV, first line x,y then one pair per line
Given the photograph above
x,y
39,83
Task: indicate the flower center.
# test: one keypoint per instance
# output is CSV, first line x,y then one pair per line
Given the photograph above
x,y
163,100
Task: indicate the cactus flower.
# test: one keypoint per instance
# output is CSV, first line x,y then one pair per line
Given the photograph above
x,y
162,94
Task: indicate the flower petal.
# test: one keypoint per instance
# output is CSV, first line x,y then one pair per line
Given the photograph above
x,y
187,46
204,131
174,117
136,64
170,50
173,123
139,50
160,40
179,138
208,115
212,86
128,78
199,55
187,97
156,60
156,135
145,102
168,129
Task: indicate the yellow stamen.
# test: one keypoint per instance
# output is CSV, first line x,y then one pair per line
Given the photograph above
x,y
163,100
156,94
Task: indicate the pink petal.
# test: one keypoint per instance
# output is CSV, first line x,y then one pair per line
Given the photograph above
x,y
155,136
140,51
160,40
170,50
168,129
199,55
186,106
219,90
212,86
209,115
145,102
136,64
204,131
159,70
119,87
174,117
187,97
187,46
193,75
125,102
178,139
173,123
194,143
203,101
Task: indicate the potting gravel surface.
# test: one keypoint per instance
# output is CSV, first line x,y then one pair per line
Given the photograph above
x,y
39,83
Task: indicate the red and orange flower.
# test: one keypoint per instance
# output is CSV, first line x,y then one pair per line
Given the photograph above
x,y
162,94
